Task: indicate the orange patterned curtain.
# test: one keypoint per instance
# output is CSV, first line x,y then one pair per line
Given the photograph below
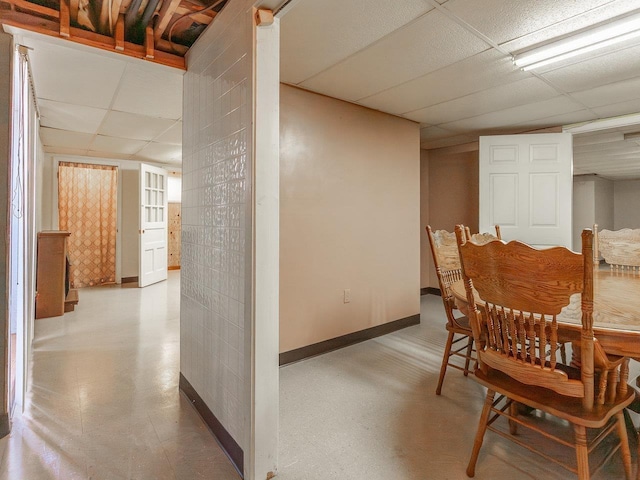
x,y
87,208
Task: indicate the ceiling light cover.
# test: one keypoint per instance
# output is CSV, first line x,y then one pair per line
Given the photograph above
x,y
611,33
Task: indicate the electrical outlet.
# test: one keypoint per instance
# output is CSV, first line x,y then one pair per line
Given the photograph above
x,y
347,295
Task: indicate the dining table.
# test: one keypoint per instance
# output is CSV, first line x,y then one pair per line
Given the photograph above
x,y
616,311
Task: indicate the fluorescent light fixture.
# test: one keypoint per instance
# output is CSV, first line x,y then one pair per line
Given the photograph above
x,y
603,124
617,31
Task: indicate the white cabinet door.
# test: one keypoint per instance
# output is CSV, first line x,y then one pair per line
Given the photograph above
x,y
526,187
153,225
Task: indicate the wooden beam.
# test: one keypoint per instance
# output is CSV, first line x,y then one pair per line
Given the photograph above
x,y
34,7
119,33
166,13
85,37
148,42
205,18
65,18
104,26
169,47
73,10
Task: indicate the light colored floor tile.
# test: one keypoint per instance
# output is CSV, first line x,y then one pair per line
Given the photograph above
x,y
104,404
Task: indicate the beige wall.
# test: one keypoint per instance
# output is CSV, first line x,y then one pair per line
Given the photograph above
x,y
349,218
425,249
453,193
626,199
130,251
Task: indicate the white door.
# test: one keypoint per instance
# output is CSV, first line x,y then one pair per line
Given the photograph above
x,y
153,225
526,186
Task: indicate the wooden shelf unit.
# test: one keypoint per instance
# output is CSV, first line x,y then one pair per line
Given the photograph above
x,y
51,276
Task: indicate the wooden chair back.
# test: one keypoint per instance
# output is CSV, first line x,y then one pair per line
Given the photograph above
x,y
522,291
482,238
444,249
619,248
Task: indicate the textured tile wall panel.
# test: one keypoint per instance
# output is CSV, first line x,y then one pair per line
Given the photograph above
x,y
216,214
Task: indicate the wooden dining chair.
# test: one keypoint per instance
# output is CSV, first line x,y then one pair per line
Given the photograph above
x,y
522,292
619,248
444,250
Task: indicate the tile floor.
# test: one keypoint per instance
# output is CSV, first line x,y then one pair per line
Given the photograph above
x,y
104,404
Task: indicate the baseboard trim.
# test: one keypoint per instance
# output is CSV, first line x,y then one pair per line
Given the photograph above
x,y
5,425
430,291
346,340
173,267
129,280
223,437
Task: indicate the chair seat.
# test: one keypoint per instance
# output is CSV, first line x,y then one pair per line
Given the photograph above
x,y
462,325
546,400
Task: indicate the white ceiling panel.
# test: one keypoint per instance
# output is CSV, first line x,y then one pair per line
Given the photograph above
x,y
75,75
516,115
504,20
123,146
617,109
151,90
161,153
558,120
493,99
570,24
602,70
432,133
448,141
173,136
52,137
132,126
425,45
66,116
479,72
610,93
316,35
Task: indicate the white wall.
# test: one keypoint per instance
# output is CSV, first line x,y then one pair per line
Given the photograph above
x,y
626,204
350,218
6,52
223,354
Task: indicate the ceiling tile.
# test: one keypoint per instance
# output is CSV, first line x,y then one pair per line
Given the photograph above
x,y
610,93
448,141
81,76
66,116
136,127
173,136
425,45
161,153
558,120
65,150
498,98
316,35
614,67
151,90
617,109
124,146
64,138
432,133
480,72
524,17
606,11
519,115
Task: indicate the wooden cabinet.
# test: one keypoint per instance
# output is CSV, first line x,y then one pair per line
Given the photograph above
x,y
51,279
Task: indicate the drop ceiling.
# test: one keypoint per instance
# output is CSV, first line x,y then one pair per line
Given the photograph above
x,y
443,64
447,65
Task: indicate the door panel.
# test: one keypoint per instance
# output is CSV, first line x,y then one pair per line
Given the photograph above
x,y
153,225
526,186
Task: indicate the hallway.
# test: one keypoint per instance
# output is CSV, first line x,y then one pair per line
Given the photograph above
x,y
104,400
